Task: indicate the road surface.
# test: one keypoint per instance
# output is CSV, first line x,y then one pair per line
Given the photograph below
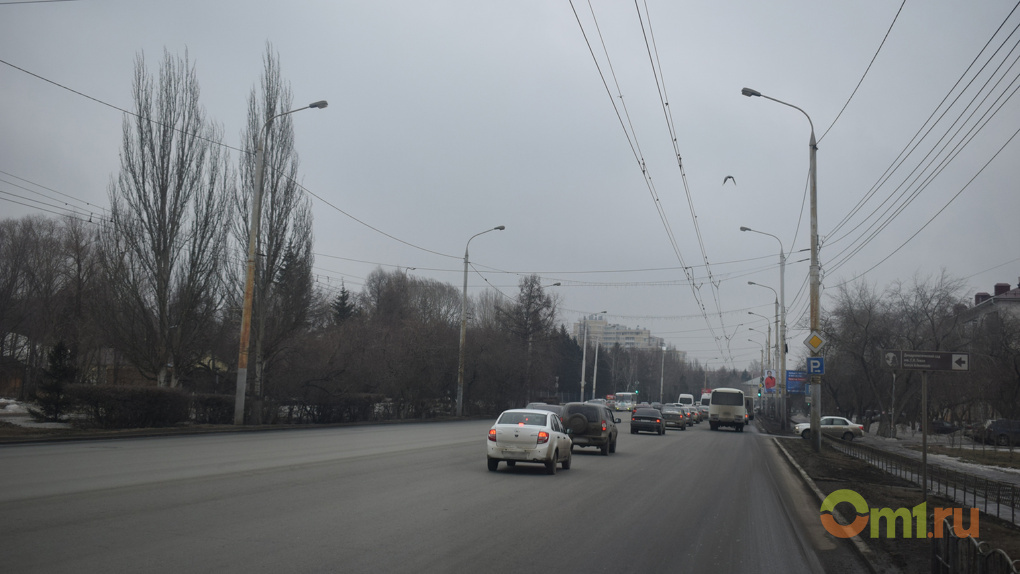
x,y
407,498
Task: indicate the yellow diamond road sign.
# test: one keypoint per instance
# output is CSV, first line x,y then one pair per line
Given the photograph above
x,y
814,341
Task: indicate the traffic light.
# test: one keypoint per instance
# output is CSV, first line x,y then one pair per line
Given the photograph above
x,y
759,393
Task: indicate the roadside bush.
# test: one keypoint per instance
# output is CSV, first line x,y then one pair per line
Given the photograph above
x,y
213,409
111,407
324,408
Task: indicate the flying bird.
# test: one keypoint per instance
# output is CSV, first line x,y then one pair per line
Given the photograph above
x,y
729,177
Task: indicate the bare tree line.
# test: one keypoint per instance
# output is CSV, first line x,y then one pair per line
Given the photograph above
x,y
929,314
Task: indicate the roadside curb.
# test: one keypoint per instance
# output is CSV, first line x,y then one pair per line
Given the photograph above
x,y
876,564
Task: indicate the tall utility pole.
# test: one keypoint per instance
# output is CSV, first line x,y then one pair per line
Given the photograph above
x,y
584,357
662,374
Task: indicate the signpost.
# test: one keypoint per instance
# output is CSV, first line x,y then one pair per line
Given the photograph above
x,y
925,361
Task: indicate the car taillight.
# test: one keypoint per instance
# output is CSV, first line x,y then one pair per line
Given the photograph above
x,y
543,437
633,418
492,435
658,420
603,425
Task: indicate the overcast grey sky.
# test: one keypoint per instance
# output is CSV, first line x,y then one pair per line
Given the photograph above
x,y
450,117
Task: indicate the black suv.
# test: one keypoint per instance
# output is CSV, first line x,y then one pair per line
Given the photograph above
x,y
591,425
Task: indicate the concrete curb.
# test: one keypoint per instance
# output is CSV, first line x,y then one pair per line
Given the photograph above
x,y
876,564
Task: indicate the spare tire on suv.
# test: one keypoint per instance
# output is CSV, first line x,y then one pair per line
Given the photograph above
x,y
590,424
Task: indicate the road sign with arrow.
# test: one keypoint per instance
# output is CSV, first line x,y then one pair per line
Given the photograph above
x,y
928,360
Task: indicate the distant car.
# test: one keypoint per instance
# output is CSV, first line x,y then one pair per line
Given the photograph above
x,y
1001,432
694,414
703,412
591,425
596,401
835,426
674,416
647,419
528,435
656,405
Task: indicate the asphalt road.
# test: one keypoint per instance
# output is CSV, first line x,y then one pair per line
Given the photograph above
x,y
407,498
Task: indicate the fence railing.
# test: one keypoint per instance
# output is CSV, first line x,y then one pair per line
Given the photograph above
x,y
954,555
992,497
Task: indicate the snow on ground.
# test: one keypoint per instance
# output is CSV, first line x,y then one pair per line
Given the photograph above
x,y
14,412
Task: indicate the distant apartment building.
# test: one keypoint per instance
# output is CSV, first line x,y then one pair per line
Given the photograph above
x,y
609,334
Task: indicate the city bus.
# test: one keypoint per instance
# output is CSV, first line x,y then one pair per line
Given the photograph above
x,y
626,401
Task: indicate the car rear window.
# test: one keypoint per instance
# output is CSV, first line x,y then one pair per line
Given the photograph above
x,y
530,419
648,412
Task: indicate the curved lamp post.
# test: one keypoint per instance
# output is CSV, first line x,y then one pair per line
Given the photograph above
x,y
781,335
816,391
768,334
249,281
463,323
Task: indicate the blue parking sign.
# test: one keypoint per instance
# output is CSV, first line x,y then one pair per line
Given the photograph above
x,y
816,366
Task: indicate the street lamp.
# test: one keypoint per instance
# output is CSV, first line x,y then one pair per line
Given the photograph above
x,y
781,335
249,281
780,354
768,334
662,373
707,361
463,323
816,391
584,358
760,345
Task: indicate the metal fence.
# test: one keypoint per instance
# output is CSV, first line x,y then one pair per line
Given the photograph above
x,y
992,497
952,554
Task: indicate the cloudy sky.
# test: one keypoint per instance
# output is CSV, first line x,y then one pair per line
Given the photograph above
x,y
450,117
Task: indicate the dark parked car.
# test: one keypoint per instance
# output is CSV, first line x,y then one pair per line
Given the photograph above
x,y
591,425
942,427
647,419
1001,432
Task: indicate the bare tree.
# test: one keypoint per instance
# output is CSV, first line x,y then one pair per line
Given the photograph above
x,y
164,248
285,236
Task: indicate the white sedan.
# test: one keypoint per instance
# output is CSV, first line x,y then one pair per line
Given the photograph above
x,y
834,426
523,435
